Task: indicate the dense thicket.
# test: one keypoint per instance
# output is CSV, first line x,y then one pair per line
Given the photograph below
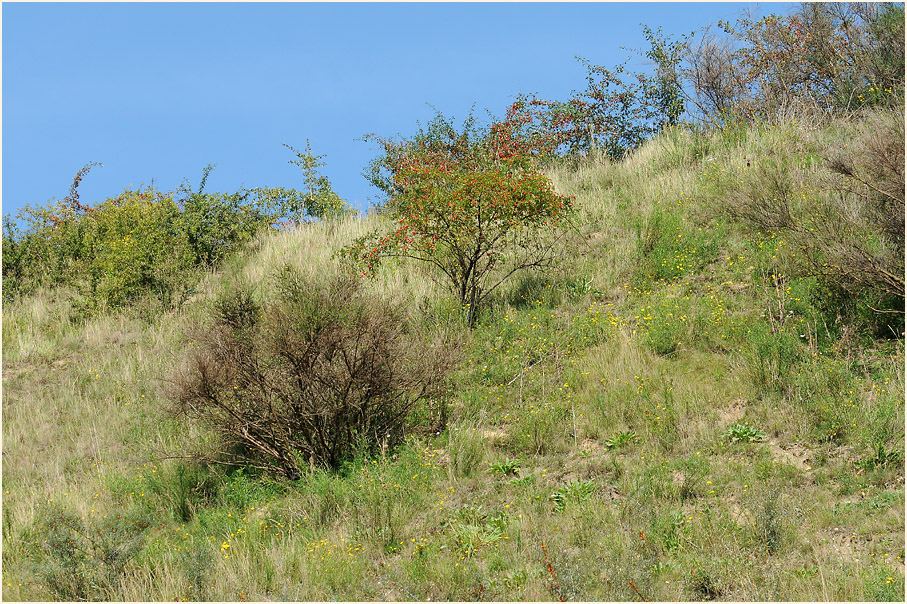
x,y
822,60
316,375
148,242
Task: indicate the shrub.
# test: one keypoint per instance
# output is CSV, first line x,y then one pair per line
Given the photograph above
x,y
215,225
846,223
714,80
318,199
317,375
742,433
85,559
617,111
869,178
43,252
621,439
827,56
130,246
149,242
823,58
138,243
475,217
665,89
111,253
577,491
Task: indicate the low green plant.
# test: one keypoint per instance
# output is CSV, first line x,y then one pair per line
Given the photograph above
x,y
769,520
671,246
877,502
242,488
743,433
582,286
466,449
542,431
621,439
196,563
668,527
705,585
577,491
880,457
183,488
881,584
516,579
505,467
525,481
665,332
474,528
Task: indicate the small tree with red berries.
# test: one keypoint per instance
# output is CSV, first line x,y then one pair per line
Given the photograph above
x,y
474,211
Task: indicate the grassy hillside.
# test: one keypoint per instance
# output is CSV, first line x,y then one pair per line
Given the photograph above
x,y
680,411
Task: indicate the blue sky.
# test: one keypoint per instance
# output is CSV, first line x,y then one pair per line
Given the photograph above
x,y
158,91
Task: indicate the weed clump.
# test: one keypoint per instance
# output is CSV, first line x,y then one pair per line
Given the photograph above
x,y
85,558
743,433
576,491
319,374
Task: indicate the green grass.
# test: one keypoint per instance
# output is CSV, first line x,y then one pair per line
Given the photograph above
x,y
675,406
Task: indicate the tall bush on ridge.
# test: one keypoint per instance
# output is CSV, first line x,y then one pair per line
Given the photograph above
x,y
826,57
714,80
148,241
665,87
129,246
315,376
318,199
616,112
137,243
40,254
216,224
474,210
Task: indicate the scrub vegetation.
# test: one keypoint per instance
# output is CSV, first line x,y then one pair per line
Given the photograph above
x,y
646,343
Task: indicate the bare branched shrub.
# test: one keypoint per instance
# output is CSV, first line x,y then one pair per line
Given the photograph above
x,y
872,170
862,245
86,559
845,221
823,59
767,201
715,78
314,377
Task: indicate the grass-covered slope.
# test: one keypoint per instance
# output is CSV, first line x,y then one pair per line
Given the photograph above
x,y
681,411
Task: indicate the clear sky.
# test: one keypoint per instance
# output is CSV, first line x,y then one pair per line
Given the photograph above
x,y
158,91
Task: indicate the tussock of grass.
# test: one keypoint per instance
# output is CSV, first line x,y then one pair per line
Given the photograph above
x,y
650,327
